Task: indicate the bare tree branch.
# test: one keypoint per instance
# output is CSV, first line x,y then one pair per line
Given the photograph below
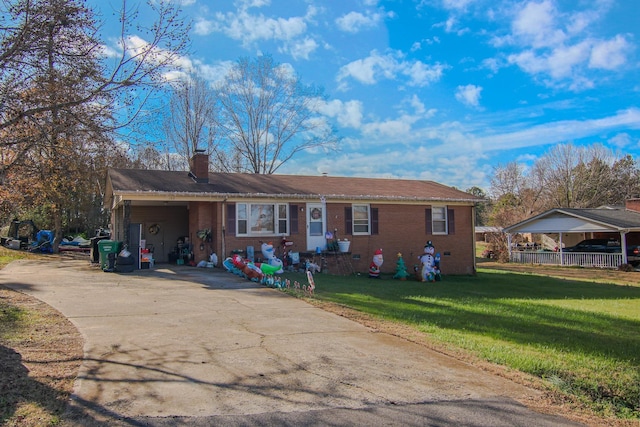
x,y
267,116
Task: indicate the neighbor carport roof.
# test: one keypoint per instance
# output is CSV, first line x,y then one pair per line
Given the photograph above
x,y
131,182
567,220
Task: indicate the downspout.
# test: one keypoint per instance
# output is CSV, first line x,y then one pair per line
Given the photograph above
x,y
473,227
223,255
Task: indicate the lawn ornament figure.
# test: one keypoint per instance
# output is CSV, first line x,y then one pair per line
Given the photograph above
x,y
269,269
430,264
269,255
376,263
311,266
253,272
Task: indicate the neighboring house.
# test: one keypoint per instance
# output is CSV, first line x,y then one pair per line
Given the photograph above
x,y
242,210
484,233
573,225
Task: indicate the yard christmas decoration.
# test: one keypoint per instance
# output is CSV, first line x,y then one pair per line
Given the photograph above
x,y
256,272
269,255
401,269
376,263
430,264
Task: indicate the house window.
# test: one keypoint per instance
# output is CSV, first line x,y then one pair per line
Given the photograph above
x,y
439,219
262,219
282,219
361,219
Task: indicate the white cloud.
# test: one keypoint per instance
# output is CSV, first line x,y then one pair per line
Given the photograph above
x,y
215,73
421,74
418,45
348,114
557,49
456,4
109,51
469,95
417,104
564,59
368,69
621,140
561,131
203,27
388,66
492,64
354,22
301,48
535,24
451,25
174,65
609,54
398,129
250,28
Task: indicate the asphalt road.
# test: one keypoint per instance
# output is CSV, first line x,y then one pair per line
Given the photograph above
x,y
179,345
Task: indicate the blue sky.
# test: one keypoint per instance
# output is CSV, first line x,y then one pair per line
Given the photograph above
x,y
442,90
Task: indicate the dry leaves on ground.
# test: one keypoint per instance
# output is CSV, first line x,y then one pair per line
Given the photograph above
x,y
40,354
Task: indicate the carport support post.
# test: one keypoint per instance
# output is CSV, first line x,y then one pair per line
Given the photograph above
x,y
623,243
126,221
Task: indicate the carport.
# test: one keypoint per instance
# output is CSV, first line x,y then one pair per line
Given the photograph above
x,y
622,223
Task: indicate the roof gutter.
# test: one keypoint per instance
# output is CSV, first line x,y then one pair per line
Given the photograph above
x,y
189,196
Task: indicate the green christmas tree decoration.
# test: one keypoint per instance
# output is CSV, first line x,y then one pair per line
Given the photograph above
x,y
401,269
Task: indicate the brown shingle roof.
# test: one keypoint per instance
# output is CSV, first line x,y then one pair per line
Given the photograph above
x,y
148,182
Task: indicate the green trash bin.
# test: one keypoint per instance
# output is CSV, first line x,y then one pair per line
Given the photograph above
x,y
106,247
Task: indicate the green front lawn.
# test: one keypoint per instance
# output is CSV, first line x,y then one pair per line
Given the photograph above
x,y
581,337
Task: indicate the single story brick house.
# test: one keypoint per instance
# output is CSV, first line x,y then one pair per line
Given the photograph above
x,y
227,212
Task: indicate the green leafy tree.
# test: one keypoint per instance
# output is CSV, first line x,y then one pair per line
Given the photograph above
x,y
483,208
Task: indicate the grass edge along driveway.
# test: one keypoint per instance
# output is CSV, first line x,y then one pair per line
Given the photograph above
x,y
580,336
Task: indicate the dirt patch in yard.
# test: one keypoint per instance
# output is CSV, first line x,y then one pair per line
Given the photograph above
x,y
40,354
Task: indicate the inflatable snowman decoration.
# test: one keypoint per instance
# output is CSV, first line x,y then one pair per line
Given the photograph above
x,y
430,264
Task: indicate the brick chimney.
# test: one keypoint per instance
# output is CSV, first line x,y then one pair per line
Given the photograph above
x,y
199,166
632,205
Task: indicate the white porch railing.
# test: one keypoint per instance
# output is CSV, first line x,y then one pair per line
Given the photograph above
x,y
582,259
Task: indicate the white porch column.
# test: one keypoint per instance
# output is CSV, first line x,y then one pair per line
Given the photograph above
x,y
623,243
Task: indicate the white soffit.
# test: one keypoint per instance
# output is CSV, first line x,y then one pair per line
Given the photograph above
x,y
561,224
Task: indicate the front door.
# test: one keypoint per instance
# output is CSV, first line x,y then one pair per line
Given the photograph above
x,y
316,226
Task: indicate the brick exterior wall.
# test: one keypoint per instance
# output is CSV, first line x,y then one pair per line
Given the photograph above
x,y
402,228
199,165
633,205
203,215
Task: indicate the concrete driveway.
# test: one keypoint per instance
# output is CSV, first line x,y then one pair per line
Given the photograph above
x,y
187,346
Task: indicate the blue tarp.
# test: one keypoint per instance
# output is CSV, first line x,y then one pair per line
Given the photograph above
x,y
44,239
